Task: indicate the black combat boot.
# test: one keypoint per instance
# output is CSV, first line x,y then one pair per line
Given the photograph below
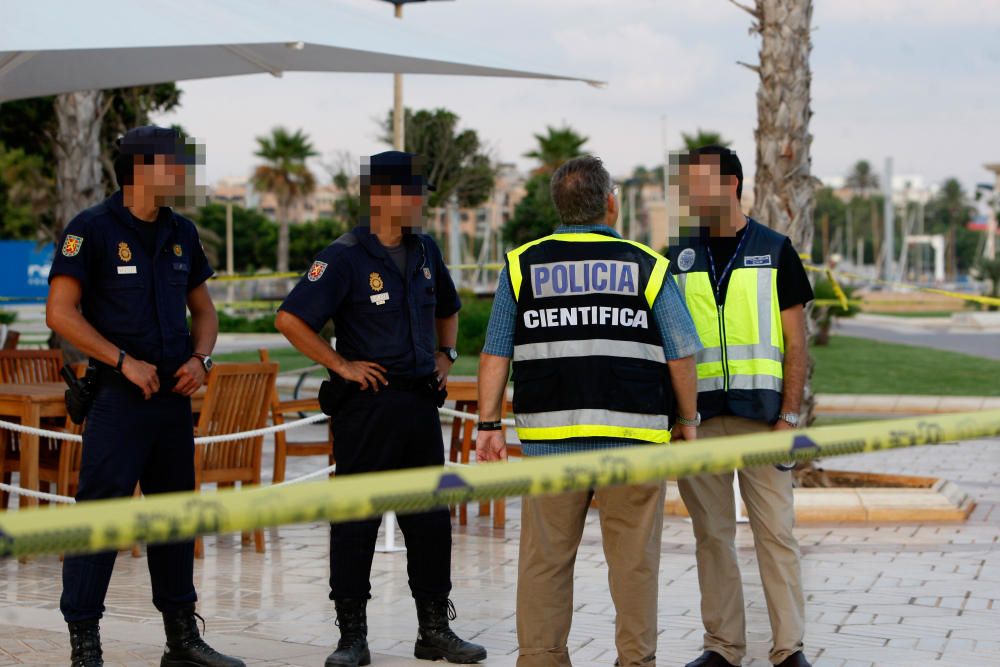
x,y
85,644
352,649
436,641
185,647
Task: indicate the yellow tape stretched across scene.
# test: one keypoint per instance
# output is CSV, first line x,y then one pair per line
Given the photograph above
x,y
985,300
116,524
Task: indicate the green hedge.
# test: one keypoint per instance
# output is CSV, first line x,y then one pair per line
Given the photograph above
x,y
472,321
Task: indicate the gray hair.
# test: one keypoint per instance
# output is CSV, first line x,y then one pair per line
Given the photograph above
x,y
580,189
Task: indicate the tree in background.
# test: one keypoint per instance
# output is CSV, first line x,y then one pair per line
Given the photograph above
x,y
556,146
455,160
947,213
25,193
784,187
284,174
862,180
535,216
703,138
70,138
342,171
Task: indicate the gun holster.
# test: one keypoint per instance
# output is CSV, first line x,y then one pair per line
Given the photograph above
x,y
334,393
81,392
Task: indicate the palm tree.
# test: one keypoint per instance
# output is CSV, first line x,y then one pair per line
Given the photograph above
x,y
703,138
285,174
952,202
556,146
862,180
784,187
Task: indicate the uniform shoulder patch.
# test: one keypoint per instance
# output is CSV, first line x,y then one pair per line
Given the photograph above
x,y
71,245
316,271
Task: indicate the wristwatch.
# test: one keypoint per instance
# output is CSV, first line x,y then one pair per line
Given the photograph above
x,y
449,352
121,360
690,422
490,426
206,361
790,418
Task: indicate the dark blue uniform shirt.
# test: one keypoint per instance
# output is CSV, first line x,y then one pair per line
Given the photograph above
x,y
379,314
136,300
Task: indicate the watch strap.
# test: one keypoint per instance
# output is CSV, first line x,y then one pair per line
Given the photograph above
x,y
490,426
121,360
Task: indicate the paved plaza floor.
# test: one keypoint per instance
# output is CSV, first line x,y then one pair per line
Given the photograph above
x,y
877,594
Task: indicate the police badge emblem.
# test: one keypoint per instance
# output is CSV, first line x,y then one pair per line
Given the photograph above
x,y
316,271
686,259
427,273
71,246
124,252
178,250
375,282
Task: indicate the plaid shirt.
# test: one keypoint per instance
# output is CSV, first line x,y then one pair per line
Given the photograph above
x,y
670,314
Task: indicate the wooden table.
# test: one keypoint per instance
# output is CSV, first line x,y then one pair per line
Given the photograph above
x,y
31,403
465,393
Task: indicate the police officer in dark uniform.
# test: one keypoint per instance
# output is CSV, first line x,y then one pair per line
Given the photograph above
x,y
122,280
395,310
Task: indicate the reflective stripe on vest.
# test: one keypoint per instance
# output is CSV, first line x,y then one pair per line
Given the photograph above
x,y
753,350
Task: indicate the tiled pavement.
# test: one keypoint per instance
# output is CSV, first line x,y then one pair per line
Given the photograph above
x,y
877,594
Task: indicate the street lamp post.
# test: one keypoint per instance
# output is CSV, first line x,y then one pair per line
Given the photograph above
x,y
398,127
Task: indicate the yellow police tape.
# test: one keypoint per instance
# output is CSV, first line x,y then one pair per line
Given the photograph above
x,y
985,300
116,524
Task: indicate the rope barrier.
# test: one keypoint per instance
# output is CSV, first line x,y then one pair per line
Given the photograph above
x,y
71,437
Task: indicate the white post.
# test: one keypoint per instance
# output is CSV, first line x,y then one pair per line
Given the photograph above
x,y
737,497
389,521
889,211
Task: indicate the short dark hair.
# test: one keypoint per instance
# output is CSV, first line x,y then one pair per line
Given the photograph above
x,y
729,163
580,190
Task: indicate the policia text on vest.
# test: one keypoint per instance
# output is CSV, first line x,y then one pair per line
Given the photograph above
x,y
586,361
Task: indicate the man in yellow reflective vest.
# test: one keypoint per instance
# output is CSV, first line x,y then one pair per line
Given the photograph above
x,y
603,355
746,289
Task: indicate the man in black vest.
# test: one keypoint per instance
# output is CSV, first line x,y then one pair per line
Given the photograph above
x,y
745,287
602,350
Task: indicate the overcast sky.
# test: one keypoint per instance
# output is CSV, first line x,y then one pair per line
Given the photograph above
x,y
915,79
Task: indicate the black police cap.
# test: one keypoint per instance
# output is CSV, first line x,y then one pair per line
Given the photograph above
x,y
155,140
396,168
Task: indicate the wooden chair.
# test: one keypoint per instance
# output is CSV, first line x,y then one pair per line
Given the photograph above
x,y
283,447
27,367
460,450
10,342
238,399
30,366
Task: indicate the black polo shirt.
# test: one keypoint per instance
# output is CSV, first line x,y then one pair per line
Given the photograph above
x,y
135,299
380,314
793,284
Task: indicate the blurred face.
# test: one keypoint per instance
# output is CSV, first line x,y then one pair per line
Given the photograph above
x,y
705,197
164,177
398,206
705,186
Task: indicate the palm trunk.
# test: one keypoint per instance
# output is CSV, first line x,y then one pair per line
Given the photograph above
x,y
282,238
784,188
79,179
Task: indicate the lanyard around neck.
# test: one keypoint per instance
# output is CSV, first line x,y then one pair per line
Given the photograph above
x,y
718,280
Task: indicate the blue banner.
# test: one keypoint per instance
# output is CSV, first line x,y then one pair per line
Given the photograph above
x,y
24,271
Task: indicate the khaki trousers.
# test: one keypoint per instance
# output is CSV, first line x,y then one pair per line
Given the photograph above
x,y
767,493
551,528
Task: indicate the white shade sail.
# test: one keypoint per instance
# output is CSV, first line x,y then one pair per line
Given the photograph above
x,y
56,46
